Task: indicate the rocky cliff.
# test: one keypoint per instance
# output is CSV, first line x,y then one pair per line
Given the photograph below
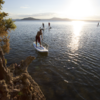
x,y
16,83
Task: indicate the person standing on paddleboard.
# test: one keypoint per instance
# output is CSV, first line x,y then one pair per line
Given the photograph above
x,y
98,24
43,25
38,37
49,24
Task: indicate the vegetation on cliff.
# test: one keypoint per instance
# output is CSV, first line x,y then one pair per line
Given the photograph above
x,y
15,82
6,25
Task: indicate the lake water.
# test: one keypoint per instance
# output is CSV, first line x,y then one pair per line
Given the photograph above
x,y
71,69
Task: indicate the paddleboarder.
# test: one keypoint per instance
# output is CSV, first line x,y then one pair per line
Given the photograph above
x,y
98,24
49,25
43,25
39,33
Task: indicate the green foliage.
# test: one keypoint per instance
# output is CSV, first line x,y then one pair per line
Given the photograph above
x,y
5,61
5,45
20,93
1,2
6,25
9,24
3,14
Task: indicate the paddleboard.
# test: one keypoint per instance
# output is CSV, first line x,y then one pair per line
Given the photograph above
x,y
49,27
43,28
38,48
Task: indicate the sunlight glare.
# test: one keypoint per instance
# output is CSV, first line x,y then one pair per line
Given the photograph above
x,y
79,9
77,27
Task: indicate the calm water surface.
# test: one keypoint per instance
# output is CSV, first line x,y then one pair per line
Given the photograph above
x,y
71,69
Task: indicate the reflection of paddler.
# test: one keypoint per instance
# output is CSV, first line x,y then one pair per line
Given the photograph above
x,y
38,37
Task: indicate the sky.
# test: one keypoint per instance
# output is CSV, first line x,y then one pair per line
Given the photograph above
x,y
45,9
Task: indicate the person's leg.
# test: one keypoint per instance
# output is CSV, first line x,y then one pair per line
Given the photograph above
x,y
39,41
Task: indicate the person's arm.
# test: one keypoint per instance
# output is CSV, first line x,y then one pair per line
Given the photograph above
x,y
36,41
42,36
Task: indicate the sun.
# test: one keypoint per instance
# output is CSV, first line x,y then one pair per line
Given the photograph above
x,y
78,9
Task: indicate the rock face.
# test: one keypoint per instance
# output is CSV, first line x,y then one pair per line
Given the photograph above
x,y
16,83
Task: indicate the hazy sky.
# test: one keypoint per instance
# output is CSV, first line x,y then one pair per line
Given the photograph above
x,y
74,9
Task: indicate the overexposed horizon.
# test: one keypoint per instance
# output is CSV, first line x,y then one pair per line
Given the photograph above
x,y
45,9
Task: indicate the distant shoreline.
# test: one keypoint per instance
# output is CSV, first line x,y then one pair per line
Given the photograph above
x,y
58,20
53,19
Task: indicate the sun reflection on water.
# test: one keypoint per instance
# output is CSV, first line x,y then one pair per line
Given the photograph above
x,y
77,27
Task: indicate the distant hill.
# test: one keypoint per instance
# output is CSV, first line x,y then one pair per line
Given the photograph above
x,y
30,18
66,19
53,19
59,19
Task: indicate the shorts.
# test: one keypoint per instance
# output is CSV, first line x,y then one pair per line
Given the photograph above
x,y
38,39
